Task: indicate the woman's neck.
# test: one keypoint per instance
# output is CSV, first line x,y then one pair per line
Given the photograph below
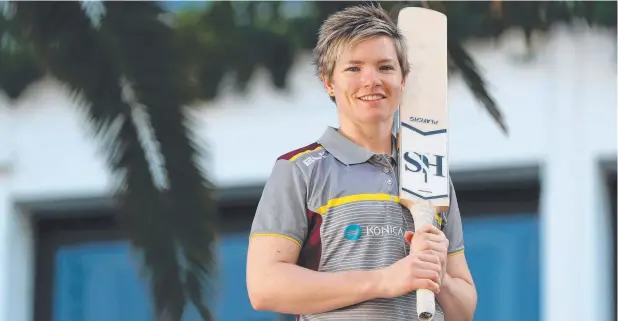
x,y
376,138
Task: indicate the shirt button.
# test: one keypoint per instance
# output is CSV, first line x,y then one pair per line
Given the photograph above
x,y
389,181
385,169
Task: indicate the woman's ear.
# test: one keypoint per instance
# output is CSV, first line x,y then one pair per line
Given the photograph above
x,y
328,86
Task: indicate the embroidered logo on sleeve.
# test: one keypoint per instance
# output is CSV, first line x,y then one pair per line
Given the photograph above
x,y
311,159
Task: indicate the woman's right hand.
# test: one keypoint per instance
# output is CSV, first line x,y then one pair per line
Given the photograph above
x,y
419,270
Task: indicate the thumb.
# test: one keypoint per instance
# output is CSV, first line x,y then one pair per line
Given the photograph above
x,y
408,236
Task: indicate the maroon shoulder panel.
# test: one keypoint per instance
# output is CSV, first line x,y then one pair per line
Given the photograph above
x,y
295,152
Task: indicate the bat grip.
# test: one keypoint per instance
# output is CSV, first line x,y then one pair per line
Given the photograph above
x,y
425,299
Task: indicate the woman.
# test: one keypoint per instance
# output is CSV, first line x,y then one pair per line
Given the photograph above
x,y
329,239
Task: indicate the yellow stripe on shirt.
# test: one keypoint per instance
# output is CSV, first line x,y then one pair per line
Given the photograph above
x,y
305,152
356,198
363,197
277,235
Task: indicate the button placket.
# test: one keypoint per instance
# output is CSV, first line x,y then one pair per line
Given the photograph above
x,y
385,165
394,177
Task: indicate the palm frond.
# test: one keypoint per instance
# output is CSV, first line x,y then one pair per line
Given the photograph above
x,y
470,73
73,52
225,44
18,66
152,59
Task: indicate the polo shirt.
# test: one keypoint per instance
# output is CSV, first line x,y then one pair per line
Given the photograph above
x,y
339,202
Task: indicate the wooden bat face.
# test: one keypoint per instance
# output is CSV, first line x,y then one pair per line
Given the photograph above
x,y
423,113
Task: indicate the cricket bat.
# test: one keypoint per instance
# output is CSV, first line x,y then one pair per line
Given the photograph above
x,y
422,129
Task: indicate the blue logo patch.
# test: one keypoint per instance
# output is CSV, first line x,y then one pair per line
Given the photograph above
x,y
353,232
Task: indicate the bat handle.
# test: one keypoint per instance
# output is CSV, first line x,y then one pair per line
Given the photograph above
x,y
423,214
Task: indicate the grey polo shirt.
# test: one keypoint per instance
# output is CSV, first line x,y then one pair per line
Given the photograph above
x,y
339,202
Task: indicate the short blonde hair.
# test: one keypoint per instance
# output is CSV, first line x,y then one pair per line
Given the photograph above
x,y
350,26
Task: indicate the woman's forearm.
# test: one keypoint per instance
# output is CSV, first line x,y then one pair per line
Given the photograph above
x,y
457,299
291,289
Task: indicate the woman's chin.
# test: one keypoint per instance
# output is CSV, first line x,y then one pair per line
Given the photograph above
x,y
377,117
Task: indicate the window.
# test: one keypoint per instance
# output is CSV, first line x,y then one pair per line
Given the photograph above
x,y
501,230
85,271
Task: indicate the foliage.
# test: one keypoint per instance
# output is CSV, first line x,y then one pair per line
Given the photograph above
x,y
136,69
235,29
18,65
164,203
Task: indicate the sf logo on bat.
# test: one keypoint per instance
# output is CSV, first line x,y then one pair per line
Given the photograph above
x,y
415,162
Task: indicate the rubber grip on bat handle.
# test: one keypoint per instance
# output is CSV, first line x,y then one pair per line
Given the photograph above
x,y
425,299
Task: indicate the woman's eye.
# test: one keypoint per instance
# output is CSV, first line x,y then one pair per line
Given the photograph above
x,y
387,67
353,69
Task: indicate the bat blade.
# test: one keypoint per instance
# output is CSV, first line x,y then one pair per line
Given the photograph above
x,y
423,126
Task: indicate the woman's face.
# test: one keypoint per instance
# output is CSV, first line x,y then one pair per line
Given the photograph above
x,y
367,81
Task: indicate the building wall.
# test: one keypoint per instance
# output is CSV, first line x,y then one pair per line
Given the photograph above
x,y
560,108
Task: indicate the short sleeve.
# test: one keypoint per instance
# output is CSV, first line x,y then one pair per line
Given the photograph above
x,y
453,228
282,208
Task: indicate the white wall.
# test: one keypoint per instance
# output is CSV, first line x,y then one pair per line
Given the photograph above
x,y
561,110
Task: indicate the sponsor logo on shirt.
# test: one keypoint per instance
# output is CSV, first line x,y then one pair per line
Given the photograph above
x,y
384,230
354,232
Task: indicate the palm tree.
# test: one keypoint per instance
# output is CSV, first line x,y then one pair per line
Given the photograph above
x,y
135,68
164,200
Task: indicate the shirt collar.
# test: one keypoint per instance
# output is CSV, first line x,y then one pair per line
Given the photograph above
x,y
347,151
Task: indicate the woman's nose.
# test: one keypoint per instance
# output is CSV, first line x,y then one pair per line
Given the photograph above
x,y
370,78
